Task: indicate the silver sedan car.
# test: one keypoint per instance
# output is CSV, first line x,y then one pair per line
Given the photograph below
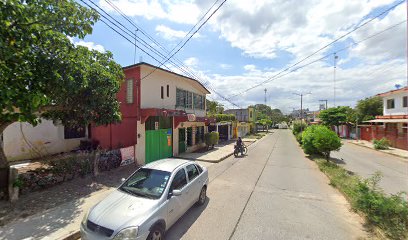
x,y
148,203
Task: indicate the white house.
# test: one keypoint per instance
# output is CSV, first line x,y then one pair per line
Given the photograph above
x,y
21,140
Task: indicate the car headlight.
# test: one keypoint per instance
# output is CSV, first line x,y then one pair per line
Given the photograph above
x,y
127,233
85,218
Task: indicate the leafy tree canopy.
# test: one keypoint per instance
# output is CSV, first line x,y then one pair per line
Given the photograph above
x,y
214,107
43,74
368,108
337,116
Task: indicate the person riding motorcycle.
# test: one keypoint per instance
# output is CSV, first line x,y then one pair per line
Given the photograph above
x,y
239,145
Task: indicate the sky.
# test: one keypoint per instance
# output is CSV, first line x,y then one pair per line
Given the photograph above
x,y
246,43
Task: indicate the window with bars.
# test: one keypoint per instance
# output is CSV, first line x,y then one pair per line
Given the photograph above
x,y
390,103
129,91
405,101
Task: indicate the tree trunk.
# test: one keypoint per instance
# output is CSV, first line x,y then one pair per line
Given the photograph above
x,y
4,164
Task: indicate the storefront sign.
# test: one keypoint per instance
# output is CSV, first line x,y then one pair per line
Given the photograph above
x,y
128,155
191,117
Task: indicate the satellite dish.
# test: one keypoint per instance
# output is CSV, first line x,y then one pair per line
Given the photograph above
x,y
397,86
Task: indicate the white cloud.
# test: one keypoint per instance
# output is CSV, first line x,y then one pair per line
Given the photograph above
x,y
191,62
171,34
90,45
174,10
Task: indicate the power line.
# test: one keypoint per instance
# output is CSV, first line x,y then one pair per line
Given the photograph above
x,y
324,47
279,75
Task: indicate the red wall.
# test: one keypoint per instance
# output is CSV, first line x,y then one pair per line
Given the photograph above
x,y
398,140
122,134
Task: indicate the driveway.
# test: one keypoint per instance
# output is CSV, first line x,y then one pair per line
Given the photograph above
x,y
365,162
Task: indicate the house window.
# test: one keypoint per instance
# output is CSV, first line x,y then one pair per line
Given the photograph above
x,y
181,97
199,102
405,101
250,114
129,91
74,132
168,90
189,136
199,135
390,103
162,92
189,102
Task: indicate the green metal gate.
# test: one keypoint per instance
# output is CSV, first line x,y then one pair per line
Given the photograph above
x,y
158,144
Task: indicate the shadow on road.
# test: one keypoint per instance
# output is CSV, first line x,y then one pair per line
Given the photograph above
x,y
338,160
178,230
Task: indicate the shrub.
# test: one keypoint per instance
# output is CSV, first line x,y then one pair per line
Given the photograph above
x,y
299,138
325,141
298,126
220,117
307,140
389,213
381,144
211,138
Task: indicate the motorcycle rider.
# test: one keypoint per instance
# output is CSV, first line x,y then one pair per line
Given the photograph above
x,y
239,145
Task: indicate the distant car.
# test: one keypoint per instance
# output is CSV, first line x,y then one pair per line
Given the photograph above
x,y
148,203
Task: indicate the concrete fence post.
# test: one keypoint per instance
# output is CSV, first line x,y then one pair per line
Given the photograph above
x,y
13,190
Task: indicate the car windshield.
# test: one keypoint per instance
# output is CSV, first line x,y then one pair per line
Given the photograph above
x,y
147,183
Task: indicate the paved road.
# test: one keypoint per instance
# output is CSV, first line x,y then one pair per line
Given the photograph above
x,y
365,162
274,193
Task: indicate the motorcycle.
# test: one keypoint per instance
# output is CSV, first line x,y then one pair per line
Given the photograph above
x,y
237,150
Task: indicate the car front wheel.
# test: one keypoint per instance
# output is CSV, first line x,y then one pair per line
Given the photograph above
x,y
157,233
202,197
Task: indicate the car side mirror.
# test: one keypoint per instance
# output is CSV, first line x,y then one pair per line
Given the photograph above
x,y
176,192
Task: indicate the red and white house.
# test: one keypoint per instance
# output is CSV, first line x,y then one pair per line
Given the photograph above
x,y
163,114
393,124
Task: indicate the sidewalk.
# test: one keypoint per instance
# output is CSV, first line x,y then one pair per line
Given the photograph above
x,y
57,212
393,151
219,153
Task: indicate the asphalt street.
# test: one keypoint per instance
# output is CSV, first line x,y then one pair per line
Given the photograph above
x,y
273,193
365,162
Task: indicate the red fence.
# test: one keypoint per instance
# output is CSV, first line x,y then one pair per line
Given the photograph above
x,y
397,139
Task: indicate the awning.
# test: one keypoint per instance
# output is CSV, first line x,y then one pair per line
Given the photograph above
x,y
388,121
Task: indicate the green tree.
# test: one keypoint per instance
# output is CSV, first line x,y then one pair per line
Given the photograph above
x,y
214,107
337,116
325,141
307,140
43,75
368,108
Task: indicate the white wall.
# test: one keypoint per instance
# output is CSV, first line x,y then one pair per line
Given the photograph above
x,y
151,90
141,144
398,110
23,141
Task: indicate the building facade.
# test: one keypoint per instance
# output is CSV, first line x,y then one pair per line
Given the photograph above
x,y
163,114
246,118
393,124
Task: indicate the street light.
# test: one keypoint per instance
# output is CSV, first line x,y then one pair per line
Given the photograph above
x,y
301,106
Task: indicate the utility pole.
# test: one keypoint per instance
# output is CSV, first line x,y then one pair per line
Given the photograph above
x,y
301,106
324,100
334,79
265,95
134,59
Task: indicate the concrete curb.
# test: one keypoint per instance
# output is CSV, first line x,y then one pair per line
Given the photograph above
x,y
209,161
405,159
73,236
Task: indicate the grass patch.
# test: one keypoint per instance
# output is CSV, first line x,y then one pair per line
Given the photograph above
x,y
387,212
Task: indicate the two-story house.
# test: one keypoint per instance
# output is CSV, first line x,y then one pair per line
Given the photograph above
x,y
163,114
393,124
246,120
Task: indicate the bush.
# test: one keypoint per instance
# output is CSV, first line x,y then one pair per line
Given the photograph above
x,y
211,138
298,126
389,213
299,138
224,117
307,140
381,144
325,141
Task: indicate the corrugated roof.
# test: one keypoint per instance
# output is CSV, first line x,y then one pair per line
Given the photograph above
x,y
404,89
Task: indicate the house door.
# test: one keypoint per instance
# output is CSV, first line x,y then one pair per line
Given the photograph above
x,y
182,140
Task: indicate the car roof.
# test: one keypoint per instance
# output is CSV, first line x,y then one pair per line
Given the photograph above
x,y
168,164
